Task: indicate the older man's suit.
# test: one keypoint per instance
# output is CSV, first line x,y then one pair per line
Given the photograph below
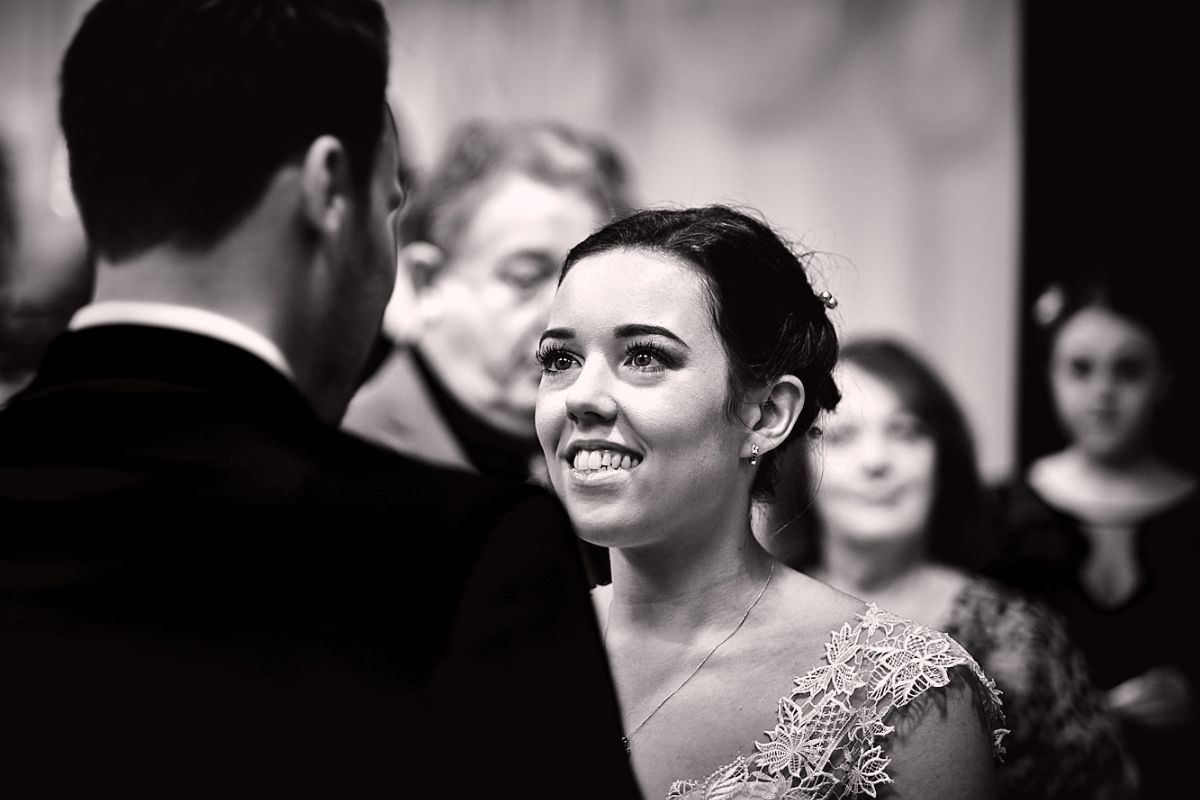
x,y
204,588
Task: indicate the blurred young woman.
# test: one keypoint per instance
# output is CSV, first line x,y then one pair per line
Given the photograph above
x,y
684,349
897,522
1105,527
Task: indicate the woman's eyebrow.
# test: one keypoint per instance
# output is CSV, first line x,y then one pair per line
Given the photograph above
x,y
557,333
629,331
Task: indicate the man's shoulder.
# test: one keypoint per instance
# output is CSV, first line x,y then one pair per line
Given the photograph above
x,y
108,444
381,470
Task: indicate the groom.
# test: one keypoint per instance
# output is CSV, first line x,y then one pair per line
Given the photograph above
x,y
205,587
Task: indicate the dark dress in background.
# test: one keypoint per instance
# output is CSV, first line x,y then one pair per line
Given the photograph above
x,y
1042,550
206,591
1063,744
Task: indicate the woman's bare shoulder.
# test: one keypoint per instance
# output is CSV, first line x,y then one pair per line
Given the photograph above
x,y
942,746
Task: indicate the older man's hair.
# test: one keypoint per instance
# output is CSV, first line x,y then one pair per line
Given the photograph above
x,y
480,152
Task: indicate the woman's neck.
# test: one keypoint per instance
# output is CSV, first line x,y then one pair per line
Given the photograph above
x,y
1145,475
1134,461
687,590
866,568
1109,491
898,576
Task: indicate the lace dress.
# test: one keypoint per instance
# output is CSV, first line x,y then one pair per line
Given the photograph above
x,y
830,740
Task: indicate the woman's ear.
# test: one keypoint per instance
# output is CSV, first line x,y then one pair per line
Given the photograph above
x,y
421,264
772,418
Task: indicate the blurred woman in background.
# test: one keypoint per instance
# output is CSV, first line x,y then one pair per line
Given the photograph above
x,y
1105,527
898,500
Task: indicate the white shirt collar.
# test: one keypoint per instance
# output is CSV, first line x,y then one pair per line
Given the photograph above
x,y
182,318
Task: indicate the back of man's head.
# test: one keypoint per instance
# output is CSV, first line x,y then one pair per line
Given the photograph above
x,y
479,152
177,113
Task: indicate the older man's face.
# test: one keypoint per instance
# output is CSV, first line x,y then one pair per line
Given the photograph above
x,y
494,292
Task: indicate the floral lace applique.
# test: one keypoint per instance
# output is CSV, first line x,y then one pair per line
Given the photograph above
x,y
828,741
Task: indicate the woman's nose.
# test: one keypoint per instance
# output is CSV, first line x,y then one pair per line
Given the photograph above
x,y
874,455
1104,384
590,397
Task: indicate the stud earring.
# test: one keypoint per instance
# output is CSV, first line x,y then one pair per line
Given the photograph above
x,y
753,455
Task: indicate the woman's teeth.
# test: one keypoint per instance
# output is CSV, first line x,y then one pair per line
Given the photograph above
x,y
604,460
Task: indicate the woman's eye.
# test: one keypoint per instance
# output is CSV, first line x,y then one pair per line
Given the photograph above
x,y
837,434
555,360
907,430
648,358
642,359
1130,370
1080,367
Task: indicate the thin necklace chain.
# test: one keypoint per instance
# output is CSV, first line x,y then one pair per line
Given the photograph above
x,y
625,739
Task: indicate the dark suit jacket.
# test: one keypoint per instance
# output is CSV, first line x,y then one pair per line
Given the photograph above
x,y
204,588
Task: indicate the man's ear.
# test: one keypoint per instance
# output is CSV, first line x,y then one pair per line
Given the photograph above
x,y
327,187
773,416
420,265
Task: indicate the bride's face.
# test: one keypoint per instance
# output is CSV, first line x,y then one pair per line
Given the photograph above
x,y
631,412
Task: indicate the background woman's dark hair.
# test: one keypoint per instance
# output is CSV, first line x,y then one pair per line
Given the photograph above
x,y
954,530
770,320
1124,292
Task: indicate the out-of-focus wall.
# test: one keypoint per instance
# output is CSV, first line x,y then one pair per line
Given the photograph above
x,y
884,132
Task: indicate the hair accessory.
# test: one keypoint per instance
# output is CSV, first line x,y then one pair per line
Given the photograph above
x,y
829,300
1049,305
753,454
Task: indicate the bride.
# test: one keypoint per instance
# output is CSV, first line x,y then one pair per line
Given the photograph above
x,y
684,348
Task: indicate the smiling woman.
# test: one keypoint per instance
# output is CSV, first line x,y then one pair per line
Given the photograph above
x,y
685,349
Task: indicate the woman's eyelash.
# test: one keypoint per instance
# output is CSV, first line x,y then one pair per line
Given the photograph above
x,y
660,355
547,355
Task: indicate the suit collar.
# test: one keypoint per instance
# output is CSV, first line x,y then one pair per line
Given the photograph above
x,y
183,318
137,354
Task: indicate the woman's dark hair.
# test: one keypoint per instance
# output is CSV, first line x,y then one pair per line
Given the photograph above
x,y
1124,292
770,321
954,532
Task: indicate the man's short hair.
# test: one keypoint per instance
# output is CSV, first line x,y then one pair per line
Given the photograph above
x,y
481,151
177,113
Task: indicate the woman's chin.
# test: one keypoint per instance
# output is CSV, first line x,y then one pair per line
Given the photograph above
x,y
606,530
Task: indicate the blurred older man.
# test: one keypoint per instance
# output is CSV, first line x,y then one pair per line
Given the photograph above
x,y
483,239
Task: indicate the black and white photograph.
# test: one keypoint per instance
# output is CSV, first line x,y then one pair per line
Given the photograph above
x,y
596,400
